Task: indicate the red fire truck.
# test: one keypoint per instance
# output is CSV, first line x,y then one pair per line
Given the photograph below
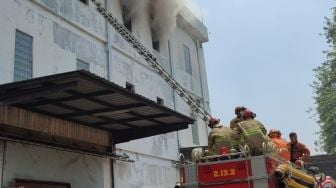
x,y
239,170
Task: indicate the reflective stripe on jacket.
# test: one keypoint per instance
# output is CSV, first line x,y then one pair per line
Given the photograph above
x,y
252,133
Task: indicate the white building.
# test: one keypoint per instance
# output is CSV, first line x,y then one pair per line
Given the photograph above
x,y
47,37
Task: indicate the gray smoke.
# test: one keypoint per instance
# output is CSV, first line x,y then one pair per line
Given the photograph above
x,y
162,14
133,7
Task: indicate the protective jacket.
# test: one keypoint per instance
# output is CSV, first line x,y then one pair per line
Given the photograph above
x,y
236,139
252,134
281,148
234,121
219,137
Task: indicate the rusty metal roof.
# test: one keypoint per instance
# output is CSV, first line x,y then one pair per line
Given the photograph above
x,y
85,98
326,163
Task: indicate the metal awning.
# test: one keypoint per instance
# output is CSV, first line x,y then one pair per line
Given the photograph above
x,y
87,99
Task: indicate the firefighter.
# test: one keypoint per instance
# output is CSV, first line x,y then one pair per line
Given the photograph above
x,y
299,153
219,137
197,154
280,144
251,133
239,111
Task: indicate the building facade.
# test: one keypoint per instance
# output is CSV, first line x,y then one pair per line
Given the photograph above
x,y
46,37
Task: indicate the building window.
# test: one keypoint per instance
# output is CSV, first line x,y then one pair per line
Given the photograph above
x,y
187,59
130,87
127,19
160,101
36,183
156,45
81,65
195,134
23,56
155,38
85,1
128,24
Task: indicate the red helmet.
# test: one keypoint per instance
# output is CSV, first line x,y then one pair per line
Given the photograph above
x,y
248,114
238,109
213,121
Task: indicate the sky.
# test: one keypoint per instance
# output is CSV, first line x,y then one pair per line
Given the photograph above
x,y
261,54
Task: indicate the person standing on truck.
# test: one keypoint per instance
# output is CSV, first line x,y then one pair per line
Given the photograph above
x,y
280,144
299,153
252,133
219,137
239,112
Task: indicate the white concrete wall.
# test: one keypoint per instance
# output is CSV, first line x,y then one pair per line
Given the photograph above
x,y
192,82
40,163
145,172
57,42
189,81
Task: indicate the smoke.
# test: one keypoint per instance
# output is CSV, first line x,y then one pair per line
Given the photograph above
x,y
162,14
131,8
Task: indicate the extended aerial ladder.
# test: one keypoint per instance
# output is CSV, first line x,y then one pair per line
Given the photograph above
x,y
152,61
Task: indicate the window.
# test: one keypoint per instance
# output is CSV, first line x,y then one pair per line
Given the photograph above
x,y
81,65
128,24
37,184
127,19
160,101
85,1
194,132
156,45
187,60
155,39
23,56
130,87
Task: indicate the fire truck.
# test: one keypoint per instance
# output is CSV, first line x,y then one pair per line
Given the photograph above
x,y
240,170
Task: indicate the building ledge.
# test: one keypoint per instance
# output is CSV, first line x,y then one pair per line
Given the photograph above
x,y
192,25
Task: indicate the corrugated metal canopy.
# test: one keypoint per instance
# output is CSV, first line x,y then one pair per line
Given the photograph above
x,y
326,163
85,98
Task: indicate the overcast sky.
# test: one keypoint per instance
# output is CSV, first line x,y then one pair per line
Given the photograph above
x,y
261,54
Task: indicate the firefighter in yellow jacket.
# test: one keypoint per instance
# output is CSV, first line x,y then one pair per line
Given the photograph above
x,y
219,137
252,133
239,112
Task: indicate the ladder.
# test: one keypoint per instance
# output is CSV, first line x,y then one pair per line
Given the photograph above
x,y
152,61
